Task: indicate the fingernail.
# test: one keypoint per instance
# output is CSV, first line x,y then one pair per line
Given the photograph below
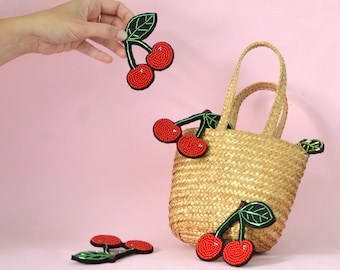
x,y
121,35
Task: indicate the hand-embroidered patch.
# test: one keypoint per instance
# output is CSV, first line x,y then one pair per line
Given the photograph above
x,y
108,242
160,56
211,246
312,146
189,145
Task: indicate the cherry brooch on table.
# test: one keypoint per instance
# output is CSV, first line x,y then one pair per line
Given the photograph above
x,y
108,242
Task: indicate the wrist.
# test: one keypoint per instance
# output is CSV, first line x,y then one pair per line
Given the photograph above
x,y
16,38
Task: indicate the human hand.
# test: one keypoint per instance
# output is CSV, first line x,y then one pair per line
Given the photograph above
x,y
70,25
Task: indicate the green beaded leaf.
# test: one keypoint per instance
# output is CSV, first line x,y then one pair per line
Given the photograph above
x,y
257,215
312,146
92,257
210,120
141,26
230,126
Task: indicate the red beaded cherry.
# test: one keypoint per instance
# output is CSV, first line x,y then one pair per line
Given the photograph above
x,y
238,253
103,240
166,130
139,246
161,56
140,77
209,247
191,146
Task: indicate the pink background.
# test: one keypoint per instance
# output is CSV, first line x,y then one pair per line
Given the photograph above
x,y
77,153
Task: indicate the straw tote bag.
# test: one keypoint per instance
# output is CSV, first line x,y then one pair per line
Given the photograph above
x,y
238,166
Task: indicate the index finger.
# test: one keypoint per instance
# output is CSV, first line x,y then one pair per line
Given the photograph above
x,y
116,8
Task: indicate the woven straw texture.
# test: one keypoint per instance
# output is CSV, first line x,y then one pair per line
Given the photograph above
x,y
238,166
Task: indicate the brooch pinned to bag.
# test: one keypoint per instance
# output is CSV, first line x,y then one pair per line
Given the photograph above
x,y
226,165
238,252
189,145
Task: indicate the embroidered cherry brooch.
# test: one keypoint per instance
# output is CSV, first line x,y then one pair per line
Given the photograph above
x,y
211,246
189,145
160,56
108,242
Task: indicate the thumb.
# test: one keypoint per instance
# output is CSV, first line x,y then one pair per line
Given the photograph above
x,y
104,31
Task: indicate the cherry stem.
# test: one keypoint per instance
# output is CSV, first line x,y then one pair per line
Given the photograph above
x,y
128,47
230,221
241,230
189,119
120,254
106,248
124,253
193,118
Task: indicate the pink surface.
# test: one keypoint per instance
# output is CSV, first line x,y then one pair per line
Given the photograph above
x,y
77,153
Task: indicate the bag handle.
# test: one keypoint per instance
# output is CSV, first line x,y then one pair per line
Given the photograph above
x,y
276,109
253,88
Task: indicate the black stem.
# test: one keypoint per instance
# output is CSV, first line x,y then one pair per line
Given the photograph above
x,y
124,253
230,221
